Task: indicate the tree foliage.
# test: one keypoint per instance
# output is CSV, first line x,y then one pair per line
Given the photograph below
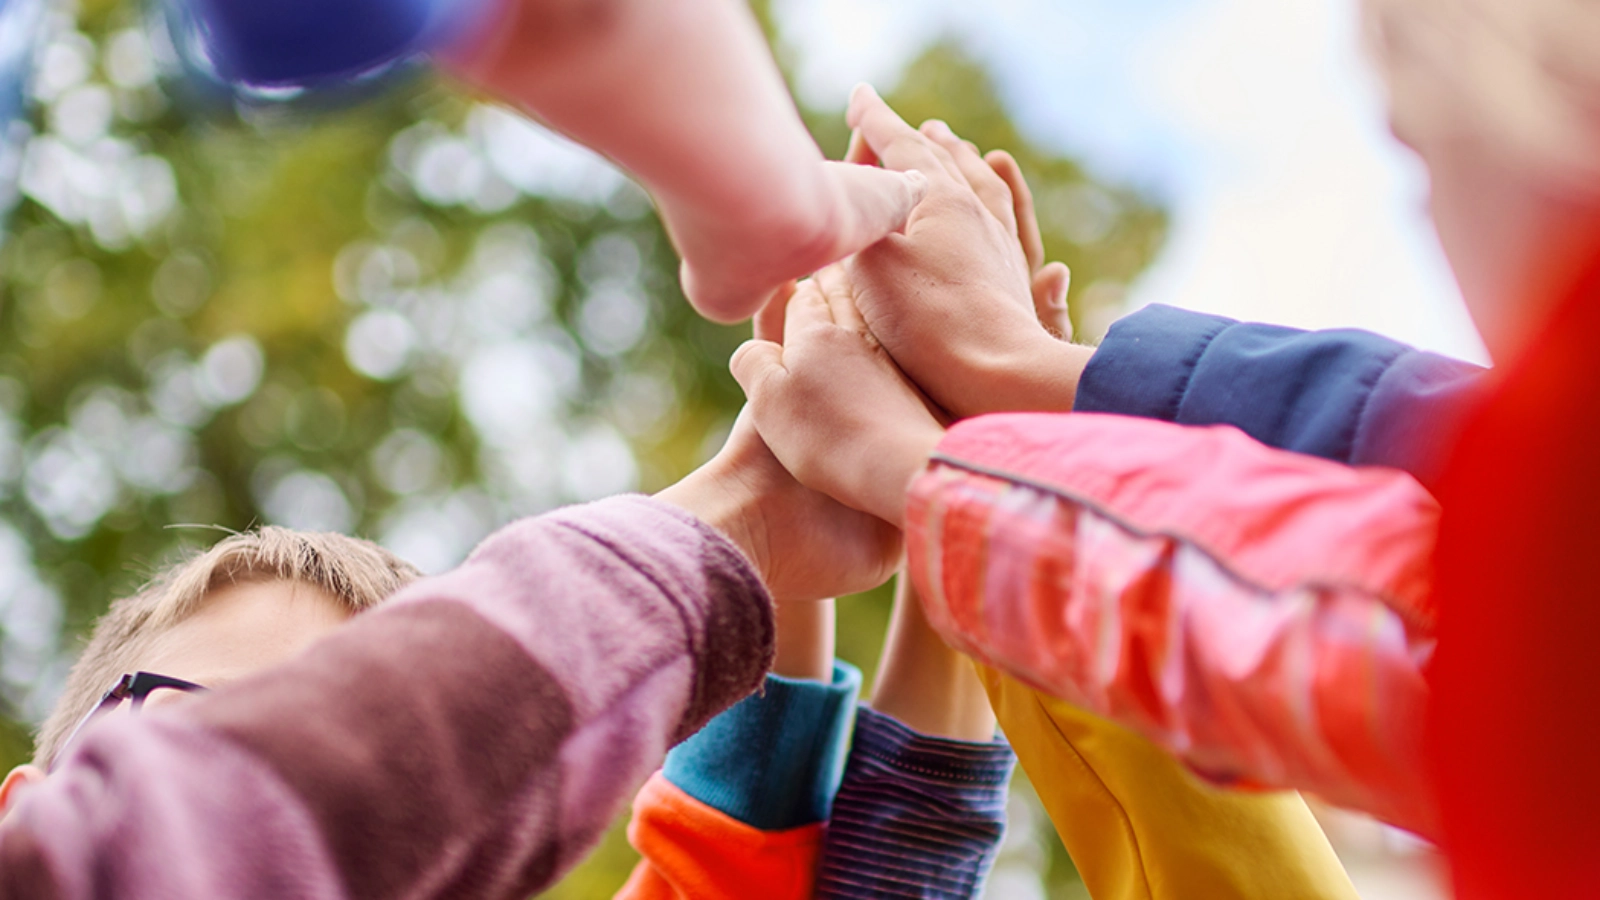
x,y
414,319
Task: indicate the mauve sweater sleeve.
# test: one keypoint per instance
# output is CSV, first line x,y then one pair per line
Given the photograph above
x,y
472,738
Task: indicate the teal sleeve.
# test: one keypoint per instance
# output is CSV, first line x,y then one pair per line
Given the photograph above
x,y
774,759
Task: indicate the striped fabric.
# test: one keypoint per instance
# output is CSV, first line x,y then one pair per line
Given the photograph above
x,y
472,738
1262,614
916,816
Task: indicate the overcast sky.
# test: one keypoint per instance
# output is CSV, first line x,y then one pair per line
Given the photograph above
x,y
1258,123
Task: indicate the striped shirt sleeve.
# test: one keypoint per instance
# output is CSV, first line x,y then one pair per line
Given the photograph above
x,y
916,815
1263,614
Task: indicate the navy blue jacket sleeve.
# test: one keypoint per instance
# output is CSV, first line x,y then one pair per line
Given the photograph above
x,y
1346,395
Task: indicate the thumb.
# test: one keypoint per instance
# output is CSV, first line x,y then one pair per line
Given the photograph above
x,y
753,363
768,322
873,202
1050,299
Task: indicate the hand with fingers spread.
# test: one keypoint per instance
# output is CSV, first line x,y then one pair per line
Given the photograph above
x,y
959,298
806,545
833,406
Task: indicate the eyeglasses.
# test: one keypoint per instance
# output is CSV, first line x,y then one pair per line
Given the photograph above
x,y
136,687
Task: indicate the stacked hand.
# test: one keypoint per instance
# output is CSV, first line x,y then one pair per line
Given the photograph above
x,y
832,404
958,316
805,544
959,297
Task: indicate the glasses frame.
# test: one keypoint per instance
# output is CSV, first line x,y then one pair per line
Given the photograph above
x,y
134,687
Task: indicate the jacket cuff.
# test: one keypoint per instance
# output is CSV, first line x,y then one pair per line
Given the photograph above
x,y
1143,366
774,759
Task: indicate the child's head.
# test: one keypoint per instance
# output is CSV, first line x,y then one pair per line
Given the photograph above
x,y
1502,100
252,600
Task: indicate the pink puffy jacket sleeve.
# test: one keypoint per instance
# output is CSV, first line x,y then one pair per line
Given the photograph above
x,y
1262,614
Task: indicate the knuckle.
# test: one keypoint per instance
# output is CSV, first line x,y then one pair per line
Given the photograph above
x,y
907,140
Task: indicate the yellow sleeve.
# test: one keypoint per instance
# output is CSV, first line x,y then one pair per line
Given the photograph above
x,y
1139,826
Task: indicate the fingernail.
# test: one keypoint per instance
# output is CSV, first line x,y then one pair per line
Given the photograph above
x,y
940,126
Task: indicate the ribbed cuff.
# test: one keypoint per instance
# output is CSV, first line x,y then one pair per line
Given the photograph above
x,y
774,759
889,742
916,815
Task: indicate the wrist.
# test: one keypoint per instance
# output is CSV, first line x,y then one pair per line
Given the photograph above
x,y
1041,376
805,639
893,469
722,502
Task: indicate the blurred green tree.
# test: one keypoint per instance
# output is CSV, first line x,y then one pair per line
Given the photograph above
x,y
413,320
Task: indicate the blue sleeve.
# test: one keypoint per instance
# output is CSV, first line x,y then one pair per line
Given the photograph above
x,y
1346,395
774,759
916,816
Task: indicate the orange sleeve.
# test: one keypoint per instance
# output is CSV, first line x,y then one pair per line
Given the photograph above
x,y
692,850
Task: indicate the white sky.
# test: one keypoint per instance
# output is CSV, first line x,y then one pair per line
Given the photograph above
x,y
1257,122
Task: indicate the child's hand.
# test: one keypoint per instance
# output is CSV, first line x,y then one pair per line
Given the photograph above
x,y
833,406
957,299
734,261
1050,280
806,545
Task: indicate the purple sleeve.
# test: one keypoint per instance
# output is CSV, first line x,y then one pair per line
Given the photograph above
x,y
472,738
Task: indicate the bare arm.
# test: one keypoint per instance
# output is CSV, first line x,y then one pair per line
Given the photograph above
x,y
925,684
685,95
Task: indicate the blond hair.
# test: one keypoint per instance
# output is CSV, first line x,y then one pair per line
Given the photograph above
x,y
358,573
1518,78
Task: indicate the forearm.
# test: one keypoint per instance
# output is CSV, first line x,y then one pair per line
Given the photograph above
x,y
805,640
404,749
1042,376
925,684
684,95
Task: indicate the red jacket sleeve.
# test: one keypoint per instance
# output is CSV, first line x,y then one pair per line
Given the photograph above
x,y
1262,614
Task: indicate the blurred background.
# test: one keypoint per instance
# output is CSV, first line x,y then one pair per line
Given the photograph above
x,y
417,318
